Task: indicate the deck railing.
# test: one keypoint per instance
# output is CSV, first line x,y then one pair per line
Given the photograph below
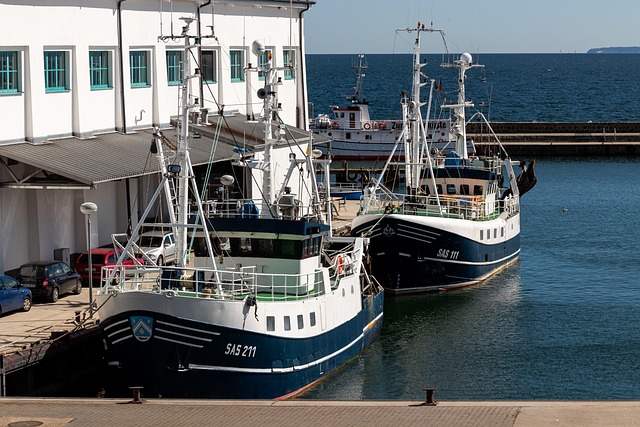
x,y
470,207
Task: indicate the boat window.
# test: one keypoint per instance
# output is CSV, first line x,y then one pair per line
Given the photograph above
x,y
439,187
287,323
481,234
464,189
451,189
287,247
244,246
347,135
477,190
488,233
300,321
342,115
502,232
495,233
265,247
312,318
271,323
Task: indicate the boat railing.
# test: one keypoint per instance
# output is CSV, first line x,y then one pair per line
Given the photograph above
x,y
286,208
476,208
209,283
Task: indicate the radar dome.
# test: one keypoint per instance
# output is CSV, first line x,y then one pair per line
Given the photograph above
x,y
466,57
257,47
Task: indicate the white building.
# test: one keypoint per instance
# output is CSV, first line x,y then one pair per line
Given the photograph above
x,y
82,84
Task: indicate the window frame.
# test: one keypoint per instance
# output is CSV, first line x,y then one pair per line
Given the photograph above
x,y
175,70
263,59
10,74
289,59
236,65
138,69
214,66
102,72
56,75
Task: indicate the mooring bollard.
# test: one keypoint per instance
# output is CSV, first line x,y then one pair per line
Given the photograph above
x,y
137,398
430,401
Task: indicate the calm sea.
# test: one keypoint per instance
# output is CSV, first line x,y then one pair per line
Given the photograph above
x,y
563,322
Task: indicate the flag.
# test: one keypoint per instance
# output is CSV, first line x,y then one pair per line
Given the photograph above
x,y
439,86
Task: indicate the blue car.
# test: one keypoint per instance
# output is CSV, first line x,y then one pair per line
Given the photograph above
x,y
13,296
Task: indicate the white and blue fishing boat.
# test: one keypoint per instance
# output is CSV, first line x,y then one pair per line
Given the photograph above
x,y
456,219
262,300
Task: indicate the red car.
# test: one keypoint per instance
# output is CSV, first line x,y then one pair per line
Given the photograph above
x,y
100,257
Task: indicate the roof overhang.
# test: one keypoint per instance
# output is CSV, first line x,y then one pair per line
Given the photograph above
x,y
74,163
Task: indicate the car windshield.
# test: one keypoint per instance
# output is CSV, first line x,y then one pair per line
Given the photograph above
x,y
31,271
150,241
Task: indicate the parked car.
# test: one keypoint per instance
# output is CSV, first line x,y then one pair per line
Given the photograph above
x,y
158,246
100,257
49,279
13,296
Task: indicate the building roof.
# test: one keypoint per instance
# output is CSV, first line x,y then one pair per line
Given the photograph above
x,y
114,156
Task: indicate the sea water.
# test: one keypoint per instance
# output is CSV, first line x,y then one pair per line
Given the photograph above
x,y
562,322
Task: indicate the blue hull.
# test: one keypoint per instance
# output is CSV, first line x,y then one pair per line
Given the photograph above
x,y
265,367
403,263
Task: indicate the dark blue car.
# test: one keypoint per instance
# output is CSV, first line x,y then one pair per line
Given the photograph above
x,y
13,296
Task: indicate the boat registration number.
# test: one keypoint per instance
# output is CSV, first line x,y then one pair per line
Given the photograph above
x,y
447,254
240,350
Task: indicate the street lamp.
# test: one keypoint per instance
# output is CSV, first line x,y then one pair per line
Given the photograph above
x,y
87,208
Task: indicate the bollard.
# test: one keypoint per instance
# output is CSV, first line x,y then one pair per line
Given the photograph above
x,y
430,401
137,398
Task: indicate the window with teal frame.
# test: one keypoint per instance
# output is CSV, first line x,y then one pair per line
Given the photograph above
x,y
174,67
262,61
208,66
55,71
139,64
99,69
9,76
236,59
289,60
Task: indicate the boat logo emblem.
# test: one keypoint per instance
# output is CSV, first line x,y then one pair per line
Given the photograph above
x,y
142,327
388,231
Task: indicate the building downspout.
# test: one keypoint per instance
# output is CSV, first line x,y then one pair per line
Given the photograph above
x,y
206,3
305,101
124,116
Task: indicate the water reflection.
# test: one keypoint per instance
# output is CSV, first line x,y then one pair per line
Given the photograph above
x,y
445,340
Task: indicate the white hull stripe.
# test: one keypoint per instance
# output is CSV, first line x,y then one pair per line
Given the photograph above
x,y
178,342
113,325
442,260
284,370
119,331
122,339
182,335
160,322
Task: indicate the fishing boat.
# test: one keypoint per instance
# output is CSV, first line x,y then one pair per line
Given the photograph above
x,y
262,300
456,219
355,136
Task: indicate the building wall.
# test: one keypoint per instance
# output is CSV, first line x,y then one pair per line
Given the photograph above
x,y
71,26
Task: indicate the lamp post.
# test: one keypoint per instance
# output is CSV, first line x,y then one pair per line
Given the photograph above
x,y
87,208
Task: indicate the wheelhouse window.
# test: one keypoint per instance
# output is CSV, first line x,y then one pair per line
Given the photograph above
x,y
464,189
208,66
55,71
100,69
300,321
139,64
312,318
451,189
9,72
477,190
289,61
236,64
174,67
263,59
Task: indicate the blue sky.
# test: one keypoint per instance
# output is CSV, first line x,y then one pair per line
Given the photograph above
x,y
486,26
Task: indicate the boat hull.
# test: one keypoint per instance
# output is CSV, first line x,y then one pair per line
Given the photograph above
x,y
412,254
182,357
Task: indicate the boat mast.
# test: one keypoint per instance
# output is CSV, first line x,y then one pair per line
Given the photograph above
x,y
459,109
360,67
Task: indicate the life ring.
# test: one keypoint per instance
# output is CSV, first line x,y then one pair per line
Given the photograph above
x,y
367,126
441,140
340,264
335,125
